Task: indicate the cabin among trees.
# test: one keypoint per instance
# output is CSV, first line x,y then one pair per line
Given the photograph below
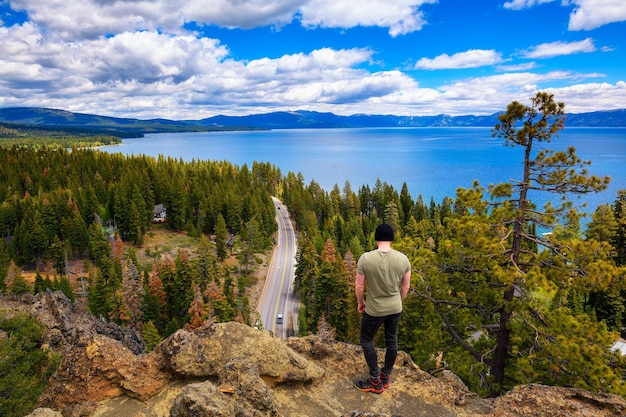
x,y
159,214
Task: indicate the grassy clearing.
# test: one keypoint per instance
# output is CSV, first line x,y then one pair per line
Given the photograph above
x,y
159,243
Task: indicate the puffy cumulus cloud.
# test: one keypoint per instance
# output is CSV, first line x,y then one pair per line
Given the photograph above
x,y
591,14
469,59
400,16
587,14
490,94
316,62
28,63
576,97
243,14
344,91
89,19
147,74
324,76
142,56
147,57
139,66
484,95
552,49
502,84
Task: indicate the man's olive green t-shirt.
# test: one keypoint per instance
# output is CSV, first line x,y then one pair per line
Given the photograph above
x,y
383,273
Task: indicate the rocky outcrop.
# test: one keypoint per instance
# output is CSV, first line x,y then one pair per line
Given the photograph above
x,y
66,322
206,351
98,368
229,369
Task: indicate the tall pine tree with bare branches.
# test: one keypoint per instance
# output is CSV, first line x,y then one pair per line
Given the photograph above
x,y
507,293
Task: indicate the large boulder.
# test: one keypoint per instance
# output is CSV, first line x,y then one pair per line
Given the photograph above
x,y
99,367
202,400
545,401
241,392
205,351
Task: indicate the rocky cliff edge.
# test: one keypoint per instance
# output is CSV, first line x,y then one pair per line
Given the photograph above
x,y
229,369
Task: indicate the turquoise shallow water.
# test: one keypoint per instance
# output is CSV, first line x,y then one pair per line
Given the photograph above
x,y
433,162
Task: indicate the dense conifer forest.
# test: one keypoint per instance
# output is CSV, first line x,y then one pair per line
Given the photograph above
x,y
491,299
63,137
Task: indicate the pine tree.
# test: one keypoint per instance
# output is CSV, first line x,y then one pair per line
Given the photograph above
x,y
39,285
63,284
20,286
167,275
221,235
154,305
304,283
197,311
133,295
619,240
220,310
99,247
57,254
352,317
488,282
150,335
332,291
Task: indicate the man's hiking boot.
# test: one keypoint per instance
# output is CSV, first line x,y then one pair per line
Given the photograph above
x,y
370,385
384,379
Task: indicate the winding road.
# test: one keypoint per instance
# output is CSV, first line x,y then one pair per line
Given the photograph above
x,y
278,297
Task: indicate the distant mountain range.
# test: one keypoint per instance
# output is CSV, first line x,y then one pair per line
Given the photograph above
x,y
44,117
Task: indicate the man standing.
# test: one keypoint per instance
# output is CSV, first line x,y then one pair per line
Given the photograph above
x,y
387,273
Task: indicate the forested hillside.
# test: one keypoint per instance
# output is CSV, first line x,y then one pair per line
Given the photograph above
x,y
491,298
42,136
59,205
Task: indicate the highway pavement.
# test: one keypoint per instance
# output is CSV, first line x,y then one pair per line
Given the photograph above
x,y
278,297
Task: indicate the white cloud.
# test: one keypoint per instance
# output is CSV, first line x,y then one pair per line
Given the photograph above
x,y
524,4
605,96
587,14
400,16
89,19
517,67
73,19
552,49
591,14
469,59
142,56
134,59
244,14
146,74
488,95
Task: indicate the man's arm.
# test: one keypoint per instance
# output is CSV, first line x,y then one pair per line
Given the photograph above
x,y
359,290
405,284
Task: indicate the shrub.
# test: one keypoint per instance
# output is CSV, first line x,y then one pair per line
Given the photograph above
x,y
24,366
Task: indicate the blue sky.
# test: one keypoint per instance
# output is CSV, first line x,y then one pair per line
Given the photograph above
x,y
190,59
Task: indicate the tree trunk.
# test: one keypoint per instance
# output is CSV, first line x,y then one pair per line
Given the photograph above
x,y
502,344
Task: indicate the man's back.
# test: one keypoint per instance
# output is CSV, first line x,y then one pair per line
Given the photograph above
x,y
383,271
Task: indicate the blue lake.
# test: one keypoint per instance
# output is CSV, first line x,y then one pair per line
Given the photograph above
x,y
433,162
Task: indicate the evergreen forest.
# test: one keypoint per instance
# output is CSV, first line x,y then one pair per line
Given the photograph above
x,y
503,292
